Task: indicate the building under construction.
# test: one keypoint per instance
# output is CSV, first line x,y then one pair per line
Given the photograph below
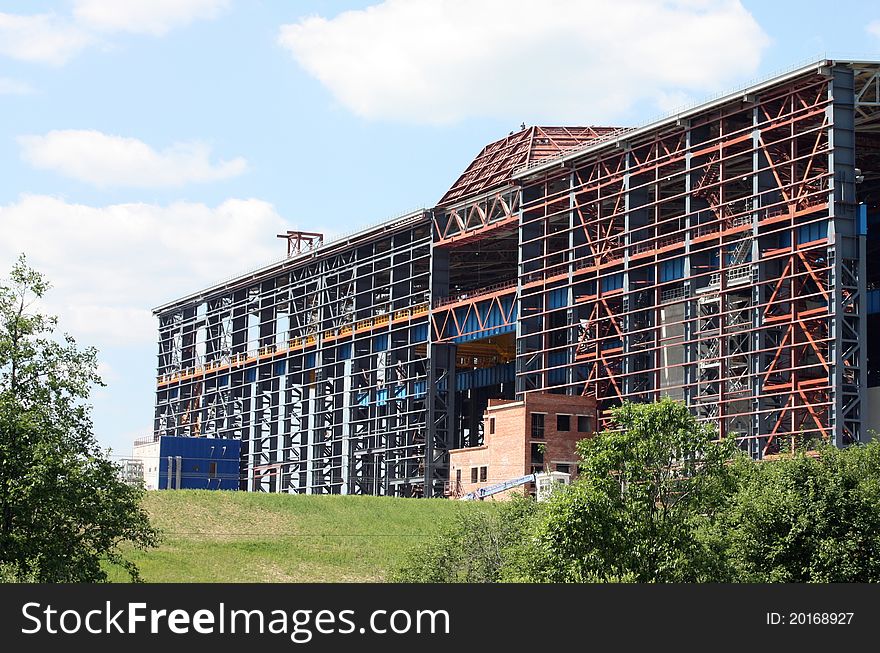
x,y
725,256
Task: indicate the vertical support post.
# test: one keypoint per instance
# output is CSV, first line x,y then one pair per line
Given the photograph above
x,y
441,417
628,207
571,333
347,443
518,381
847,249
691,310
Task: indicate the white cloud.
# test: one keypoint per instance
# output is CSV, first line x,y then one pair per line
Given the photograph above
x,y
435,61
155,17
55,39
10,86
873,28
104,160
110,265
670,101
43,38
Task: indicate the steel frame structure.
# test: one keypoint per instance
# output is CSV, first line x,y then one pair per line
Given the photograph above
x,y
319,364
716,256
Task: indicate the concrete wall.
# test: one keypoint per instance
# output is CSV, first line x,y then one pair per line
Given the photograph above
x,y
148,454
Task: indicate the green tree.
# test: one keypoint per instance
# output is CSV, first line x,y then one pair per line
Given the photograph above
x,y
478,547
639,511
63,509
807,518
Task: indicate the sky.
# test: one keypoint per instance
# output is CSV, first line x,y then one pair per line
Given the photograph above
x,y
151,148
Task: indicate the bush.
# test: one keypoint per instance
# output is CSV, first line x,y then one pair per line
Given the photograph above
x,y
807,518
639,510
481,543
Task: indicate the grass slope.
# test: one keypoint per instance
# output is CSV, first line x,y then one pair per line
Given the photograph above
x,y
221,537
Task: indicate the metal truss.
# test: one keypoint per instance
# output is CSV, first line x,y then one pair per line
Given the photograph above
x,y
470,221
487,311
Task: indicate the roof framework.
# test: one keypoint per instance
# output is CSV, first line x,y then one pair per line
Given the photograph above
x,y
494,164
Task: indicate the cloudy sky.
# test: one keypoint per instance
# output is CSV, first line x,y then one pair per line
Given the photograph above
x,y
149,148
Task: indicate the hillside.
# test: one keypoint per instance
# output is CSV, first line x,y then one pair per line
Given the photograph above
x,y
222,537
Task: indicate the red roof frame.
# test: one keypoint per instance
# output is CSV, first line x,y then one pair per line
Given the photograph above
x,y
494,164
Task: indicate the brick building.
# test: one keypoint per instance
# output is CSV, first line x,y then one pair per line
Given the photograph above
x,y
537,434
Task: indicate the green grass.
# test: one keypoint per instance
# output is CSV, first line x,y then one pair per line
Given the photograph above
x,y
224,537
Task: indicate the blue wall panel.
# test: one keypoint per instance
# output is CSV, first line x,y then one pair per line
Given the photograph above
x,y
559,298
556,361
672,270
485,376
874,301
612,282
486,333
197,456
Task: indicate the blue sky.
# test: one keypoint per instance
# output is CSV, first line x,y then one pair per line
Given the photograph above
x,y
149,148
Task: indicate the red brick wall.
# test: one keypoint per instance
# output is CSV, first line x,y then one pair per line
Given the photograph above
x,y
507,452
559,445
